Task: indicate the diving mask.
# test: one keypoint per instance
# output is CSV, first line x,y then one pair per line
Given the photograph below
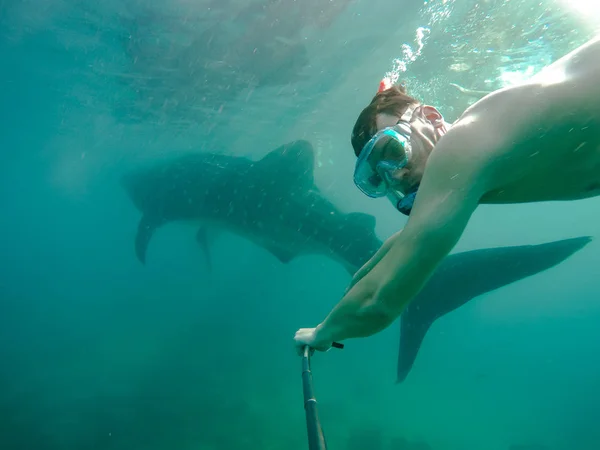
x,y
374,178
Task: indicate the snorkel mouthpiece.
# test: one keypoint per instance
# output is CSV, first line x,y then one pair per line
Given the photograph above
x,y
403,203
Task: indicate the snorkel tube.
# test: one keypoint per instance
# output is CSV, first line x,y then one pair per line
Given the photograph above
x,y
316,438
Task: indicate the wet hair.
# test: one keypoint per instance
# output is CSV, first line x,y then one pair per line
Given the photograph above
x,y
393,101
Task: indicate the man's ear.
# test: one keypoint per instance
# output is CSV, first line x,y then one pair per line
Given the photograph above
x,y
432,115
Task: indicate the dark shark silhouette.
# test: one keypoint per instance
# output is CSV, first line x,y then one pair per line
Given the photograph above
x,y
463,276
275,203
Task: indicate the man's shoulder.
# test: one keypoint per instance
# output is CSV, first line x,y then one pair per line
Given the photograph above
x,y
471,140
491,124
468,154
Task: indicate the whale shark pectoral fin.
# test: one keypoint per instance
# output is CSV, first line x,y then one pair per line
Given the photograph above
x,y
351,269
412,332
362,220
145,232
281,254
202,239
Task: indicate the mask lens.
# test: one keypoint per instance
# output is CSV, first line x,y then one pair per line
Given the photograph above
x,y
372,176
369,181
390,146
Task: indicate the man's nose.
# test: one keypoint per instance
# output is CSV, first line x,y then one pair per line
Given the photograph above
x,y
399,174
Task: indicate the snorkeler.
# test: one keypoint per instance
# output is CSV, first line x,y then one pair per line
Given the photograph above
x,y
538,141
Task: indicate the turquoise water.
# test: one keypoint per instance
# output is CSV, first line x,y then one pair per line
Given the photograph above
x,y
100,352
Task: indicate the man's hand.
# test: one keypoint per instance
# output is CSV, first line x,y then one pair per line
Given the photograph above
x,y
311,337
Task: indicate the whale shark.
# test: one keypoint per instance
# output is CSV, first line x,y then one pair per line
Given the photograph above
x,y
461,277
275,203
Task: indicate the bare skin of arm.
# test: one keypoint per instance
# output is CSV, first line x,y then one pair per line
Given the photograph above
x,y
397,273
366,268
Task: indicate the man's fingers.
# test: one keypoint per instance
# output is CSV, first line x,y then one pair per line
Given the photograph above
x,y
300,349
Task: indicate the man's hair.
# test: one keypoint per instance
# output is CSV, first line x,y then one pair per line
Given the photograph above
x,y
393,101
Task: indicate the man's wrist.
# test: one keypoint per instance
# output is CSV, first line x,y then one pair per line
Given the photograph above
x,y
323,333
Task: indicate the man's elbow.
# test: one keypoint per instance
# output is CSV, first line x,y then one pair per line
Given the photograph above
x,y
387,304
407,272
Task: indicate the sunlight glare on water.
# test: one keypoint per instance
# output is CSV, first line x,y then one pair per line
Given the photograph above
x,y
588,11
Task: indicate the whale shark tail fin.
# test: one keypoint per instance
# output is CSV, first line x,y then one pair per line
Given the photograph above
x,y
145,231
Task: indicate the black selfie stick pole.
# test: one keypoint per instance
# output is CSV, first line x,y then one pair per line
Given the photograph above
x,y
316,439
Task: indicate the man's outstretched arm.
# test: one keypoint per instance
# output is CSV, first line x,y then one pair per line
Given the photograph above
x,y
443,208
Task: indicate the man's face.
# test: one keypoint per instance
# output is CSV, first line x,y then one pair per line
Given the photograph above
x,y
427,127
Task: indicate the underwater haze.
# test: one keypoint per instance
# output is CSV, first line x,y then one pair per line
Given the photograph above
x,y
193,349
